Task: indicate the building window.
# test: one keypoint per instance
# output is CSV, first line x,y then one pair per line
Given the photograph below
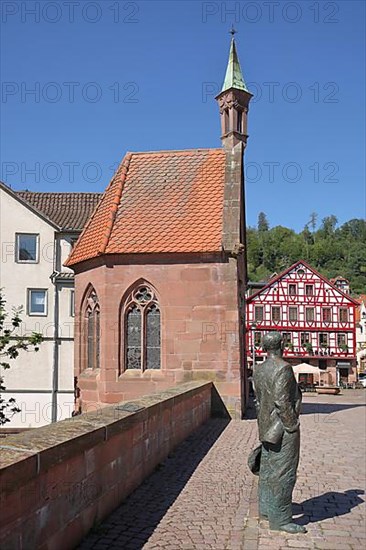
x,y
309,290
91,318
72,303
142,330
341,339
257,338
309,314
37,301
26,248
323,339
276,314
226,121
133,338
292,290
287,338
300,272
343,314
239,122
327,314
258,313
292,313
305,338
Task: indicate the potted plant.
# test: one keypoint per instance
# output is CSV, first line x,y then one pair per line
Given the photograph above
x,y
344,348
308,347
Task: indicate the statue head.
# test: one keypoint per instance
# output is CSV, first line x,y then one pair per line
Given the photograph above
x,y
272,342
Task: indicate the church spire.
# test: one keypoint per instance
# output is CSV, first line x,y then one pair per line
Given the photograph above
x,y
234,76
233,101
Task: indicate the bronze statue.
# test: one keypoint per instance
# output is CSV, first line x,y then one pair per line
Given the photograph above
x,y
278,408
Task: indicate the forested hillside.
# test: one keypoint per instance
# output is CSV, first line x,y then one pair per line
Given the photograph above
x,y
331,250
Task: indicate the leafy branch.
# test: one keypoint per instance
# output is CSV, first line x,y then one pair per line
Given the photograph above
x,y
11,344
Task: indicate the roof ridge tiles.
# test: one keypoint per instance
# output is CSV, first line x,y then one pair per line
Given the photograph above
x,y
197,149
116,200
54,193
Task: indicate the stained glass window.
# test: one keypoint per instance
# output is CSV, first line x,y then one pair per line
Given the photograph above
x,y
153,337
142,330
92,331
90,350
97,338
133,325
143,295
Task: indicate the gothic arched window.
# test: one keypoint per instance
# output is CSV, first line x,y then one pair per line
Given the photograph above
x,y
141,330
91,318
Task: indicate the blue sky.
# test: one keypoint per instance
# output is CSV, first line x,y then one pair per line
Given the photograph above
x,y
113,76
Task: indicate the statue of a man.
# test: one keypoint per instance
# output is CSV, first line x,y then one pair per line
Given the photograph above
x,y
278,408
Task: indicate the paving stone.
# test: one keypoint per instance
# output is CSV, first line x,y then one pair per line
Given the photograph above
x,y
204,496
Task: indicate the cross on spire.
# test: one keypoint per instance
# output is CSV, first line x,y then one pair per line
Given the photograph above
x,y
232,31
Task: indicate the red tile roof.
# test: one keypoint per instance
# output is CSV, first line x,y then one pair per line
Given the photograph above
x,y
70,211
166,201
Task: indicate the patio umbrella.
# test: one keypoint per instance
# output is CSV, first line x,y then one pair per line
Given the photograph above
x,y
304,368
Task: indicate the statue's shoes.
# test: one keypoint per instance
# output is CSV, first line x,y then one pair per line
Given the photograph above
x,y
291,528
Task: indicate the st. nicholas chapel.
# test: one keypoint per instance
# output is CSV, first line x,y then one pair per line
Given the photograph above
x,y
160,269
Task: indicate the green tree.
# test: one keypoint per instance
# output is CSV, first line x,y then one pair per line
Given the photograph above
x,y
312,221
328,226
11,345
332,251
263,224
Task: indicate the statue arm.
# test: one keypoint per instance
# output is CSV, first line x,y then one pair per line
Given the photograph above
x,y
284,400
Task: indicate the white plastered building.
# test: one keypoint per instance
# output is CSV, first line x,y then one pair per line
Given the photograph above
x,y
37,231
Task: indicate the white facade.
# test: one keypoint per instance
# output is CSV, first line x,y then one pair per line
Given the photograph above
x,y
361,336
42,382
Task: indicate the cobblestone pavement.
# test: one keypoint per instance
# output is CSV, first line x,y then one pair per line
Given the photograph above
x,y
204,497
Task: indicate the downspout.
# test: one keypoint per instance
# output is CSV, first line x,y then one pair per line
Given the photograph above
x,y
55,337
243,297
55,353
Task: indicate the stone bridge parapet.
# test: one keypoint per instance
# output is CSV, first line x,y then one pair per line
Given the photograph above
x,y
59,481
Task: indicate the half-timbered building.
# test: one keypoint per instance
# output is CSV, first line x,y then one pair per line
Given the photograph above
x,y
316,318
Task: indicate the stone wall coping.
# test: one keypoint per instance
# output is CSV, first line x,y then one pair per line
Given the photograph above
x,y
25,455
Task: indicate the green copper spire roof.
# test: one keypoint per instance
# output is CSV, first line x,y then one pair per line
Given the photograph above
x,y
234,76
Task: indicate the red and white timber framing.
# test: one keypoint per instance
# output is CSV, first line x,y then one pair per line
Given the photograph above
x,y
316,318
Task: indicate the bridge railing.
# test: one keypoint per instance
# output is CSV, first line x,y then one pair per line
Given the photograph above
x,y
58,481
